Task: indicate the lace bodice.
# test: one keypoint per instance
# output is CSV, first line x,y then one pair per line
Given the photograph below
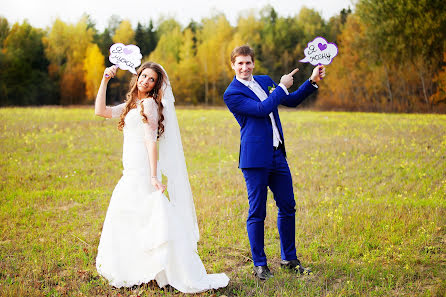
x,y
151,112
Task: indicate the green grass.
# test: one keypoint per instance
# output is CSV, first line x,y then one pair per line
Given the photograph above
x,y
370,193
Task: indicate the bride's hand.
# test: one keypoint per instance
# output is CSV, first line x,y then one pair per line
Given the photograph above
x,y
158,185
110,72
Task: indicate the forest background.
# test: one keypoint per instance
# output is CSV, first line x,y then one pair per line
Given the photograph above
x,y
392,56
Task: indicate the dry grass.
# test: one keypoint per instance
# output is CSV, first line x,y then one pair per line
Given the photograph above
x,y
370,192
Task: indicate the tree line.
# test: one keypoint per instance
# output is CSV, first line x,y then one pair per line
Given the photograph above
x,y
391,56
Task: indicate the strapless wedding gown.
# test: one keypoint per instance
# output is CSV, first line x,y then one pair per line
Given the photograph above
x,y
143,238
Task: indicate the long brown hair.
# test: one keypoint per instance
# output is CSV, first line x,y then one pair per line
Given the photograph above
x,y
156,93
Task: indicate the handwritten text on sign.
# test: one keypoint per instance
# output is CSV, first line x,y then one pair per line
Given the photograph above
x,y
319,51
126,57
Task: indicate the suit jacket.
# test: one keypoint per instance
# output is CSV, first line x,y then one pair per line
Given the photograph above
x,y
252,114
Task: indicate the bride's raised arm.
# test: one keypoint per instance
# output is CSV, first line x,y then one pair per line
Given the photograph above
x,y
100,109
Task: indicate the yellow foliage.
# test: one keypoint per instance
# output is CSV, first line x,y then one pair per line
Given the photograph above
x,y
65,48
352,81
247,32
186,79
212,55
94,68
167,52
124,33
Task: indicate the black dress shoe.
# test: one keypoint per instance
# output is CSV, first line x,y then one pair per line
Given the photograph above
x,y
262,272
295,265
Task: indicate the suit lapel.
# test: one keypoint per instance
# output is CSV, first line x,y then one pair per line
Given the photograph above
x,y
245,90
262,83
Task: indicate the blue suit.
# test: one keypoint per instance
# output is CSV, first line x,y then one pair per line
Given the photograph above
x,y
261,164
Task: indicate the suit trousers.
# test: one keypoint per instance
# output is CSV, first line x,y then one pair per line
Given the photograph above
x,y
278,178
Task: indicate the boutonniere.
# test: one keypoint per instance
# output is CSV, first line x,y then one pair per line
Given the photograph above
x,y
271,88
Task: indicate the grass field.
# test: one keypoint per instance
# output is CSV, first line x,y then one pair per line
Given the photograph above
x,y
370,193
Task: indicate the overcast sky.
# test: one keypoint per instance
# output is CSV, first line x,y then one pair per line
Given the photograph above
x,y
42,13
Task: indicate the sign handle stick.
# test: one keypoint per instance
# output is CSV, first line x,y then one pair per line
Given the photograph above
x,y
320,71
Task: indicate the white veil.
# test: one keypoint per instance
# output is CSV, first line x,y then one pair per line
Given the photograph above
x,y
172,164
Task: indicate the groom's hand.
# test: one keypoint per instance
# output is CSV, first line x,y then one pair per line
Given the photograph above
x,y
287,80
318,73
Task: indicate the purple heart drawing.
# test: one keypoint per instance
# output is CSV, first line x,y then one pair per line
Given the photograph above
x,y
129,51
320,46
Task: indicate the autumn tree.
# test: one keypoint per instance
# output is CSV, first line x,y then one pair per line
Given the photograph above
x,y
146,38
23,74
94,68
66,46
187,83
407,33
248,31
336,24
4,29
353,82
439,97
124,33
212,51
104,42
391,55
167,51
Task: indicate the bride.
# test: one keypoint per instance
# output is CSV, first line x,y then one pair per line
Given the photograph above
x,y
147,236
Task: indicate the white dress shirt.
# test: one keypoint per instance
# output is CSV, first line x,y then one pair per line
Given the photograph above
x,y
257,89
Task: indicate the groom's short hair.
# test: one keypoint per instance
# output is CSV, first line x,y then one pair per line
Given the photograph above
x,y
244,50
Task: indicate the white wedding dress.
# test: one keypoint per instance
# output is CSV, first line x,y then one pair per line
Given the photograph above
x,y
144,236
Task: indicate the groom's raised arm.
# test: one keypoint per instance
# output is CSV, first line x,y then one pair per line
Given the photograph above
x,y
296,98
239,103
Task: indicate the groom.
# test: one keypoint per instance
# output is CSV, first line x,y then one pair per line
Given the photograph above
x,y
254,100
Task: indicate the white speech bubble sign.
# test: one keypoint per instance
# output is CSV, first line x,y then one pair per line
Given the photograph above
x,y
126,57
319,52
